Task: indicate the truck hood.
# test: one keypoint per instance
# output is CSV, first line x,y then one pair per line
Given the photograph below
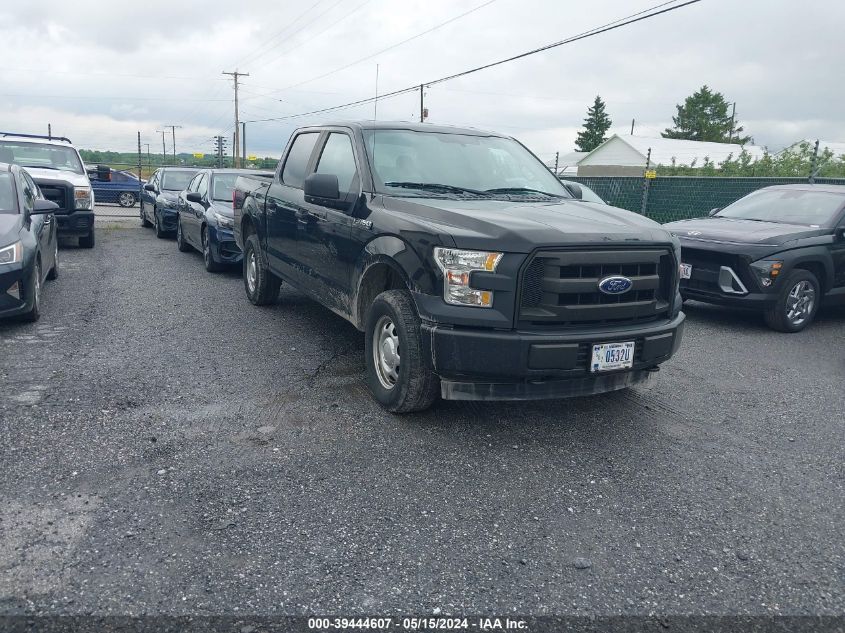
x,y
59,176
10,228
525,226
735,231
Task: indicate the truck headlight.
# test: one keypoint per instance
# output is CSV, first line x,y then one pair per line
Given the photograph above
x,y
224,221
767,270
12,254
457,265
83,198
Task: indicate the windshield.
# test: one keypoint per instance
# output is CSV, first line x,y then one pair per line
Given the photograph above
x,y
7,194
40,155
176,180
789,206
460,161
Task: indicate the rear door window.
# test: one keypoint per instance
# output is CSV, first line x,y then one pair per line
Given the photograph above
x,y
296,163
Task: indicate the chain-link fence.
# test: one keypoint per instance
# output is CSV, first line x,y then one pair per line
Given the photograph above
x,y
665,199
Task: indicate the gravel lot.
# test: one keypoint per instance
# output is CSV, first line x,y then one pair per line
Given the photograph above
x,y
169,448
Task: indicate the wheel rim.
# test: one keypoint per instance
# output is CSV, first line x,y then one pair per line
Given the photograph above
x,y
386,356
206,249
251,272
800,302
56,255
37,289
127,199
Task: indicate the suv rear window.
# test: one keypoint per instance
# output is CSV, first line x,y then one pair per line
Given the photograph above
x,y
293,174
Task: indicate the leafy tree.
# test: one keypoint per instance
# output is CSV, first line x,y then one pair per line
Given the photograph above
x,y
596,125
704,116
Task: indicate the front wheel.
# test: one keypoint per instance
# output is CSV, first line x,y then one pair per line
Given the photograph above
x,y
797,302
34,312
211,265
398,371
53,273
88,240
144,221
126,199
181,244
160,232
262,286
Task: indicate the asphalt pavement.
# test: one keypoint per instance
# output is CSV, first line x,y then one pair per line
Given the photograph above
x,y
166,447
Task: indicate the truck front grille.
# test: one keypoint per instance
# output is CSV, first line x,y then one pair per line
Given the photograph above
x,y
562,287
59,194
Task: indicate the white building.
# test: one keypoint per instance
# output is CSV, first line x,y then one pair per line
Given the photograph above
x,y
626,155
837,148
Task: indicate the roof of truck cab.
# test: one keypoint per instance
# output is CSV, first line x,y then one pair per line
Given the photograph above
x,y
407,125
56,140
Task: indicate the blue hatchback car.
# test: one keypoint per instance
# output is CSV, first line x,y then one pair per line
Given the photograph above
x,y
206,218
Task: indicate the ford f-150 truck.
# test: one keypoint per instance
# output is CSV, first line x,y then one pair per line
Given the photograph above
x,y
471,269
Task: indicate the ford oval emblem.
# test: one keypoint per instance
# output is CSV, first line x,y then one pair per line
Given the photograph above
x,y
615,285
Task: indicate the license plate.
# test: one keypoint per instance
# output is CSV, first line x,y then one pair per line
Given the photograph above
x,y
611,356
686,271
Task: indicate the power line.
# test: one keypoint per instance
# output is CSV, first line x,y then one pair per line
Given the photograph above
x,y
610,26
278,34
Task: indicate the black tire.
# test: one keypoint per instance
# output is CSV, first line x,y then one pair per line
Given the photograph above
x,y
126,199
784,315
160,232
53,274
211,265
415,386
88,240
144,221
181,244
34,313
262,288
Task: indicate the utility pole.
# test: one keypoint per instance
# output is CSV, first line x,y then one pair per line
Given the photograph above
x,y
220,149
49,131
163,148
243,142
235,75
733,119
632,126
140,187
173,132
557,157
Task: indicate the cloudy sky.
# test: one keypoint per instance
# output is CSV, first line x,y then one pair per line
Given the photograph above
x,y
102,71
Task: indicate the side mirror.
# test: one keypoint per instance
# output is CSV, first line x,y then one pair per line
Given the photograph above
x,y
321,188
103,173
43,207
150,188
194,196
714,211
575,190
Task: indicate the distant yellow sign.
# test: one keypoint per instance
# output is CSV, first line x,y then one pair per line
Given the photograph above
x,y
199,155
650,174
252,157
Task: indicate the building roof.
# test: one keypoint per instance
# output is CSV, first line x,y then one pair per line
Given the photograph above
x,y
838,148
663,151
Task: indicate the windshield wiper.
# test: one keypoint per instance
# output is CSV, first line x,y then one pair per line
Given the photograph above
x,y
433,186
523,190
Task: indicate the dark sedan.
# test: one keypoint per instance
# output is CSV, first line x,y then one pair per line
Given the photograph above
x,y
206,218
28,243
159,198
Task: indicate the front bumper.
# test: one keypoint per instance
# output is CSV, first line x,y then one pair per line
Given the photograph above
x,y
223,246
168,219
79,222
16,291
478,364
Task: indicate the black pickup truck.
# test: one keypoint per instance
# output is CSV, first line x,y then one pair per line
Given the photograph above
x,y
472,270
780,250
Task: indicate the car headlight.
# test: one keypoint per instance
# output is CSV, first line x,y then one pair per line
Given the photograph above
x,y
12,254
83,198
224,221
767,270
457,266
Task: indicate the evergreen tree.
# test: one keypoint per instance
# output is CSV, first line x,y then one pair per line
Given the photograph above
x,y
705,116
596,125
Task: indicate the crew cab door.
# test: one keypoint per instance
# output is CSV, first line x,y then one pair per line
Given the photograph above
x,y
285,204
323,247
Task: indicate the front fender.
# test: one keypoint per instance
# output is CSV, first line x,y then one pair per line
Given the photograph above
x,y
819,254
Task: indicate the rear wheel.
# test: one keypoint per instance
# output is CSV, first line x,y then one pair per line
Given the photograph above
x,y
211,265
126,199
797,303
398,372
34,312
88,240
262,286
181,244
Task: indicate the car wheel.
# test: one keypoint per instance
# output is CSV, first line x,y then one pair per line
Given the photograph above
x,y
398,372
211,265
88,240
160,234
797,302
181,244
54,271
144,221
262,286
35,311
126,199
